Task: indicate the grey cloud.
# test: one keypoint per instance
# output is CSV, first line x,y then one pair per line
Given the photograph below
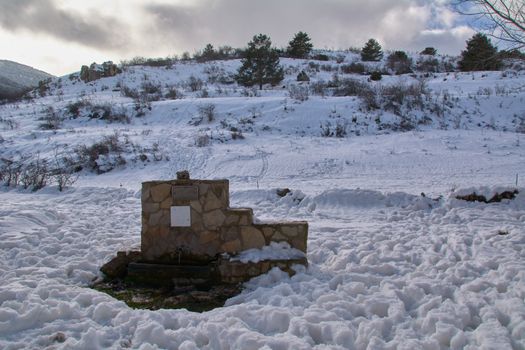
x,y
330,23
236,21
443,41
42,16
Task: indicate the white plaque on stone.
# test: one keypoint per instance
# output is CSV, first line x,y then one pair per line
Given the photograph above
x,y
180,216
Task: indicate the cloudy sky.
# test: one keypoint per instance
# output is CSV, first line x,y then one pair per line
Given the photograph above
x,y
58,36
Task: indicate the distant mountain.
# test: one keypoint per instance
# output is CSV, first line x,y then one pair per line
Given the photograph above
x,y
16,78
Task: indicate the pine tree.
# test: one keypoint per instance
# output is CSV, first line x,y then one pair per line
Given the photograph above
x,y
479,55
260,64
208,54
300,46
371,51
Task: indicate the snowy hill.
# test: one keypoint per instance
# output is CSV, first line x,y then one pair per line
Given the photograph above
x,y
389,267
16,78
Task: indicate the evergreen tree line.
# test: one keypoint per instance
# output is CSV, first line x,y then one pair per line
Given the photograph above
x,y
260,62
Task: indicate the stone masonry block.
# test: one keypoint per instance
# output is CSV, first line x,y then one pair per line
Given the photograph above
x,y
160,192
145,195
231,246
252,238
212,202
150,207
166,204
213,219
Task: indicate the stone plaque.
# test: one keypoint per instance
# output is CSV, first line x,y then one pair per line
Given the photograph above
x,y
180,216
185,193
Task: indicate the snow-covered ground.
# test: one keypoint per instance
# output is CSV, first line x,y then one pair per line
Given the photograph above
x,y
389,268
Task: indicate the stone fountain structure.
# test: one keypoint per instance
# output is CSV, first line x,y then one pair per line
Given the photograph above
x,y
191,234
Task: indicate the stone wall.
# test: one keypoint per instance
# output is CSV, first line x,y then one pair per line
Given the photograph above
x,y
238,272
212,227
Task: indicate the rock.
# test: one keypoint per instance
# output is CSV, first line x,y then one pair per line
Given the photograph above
x,y
281,192
183,175
498,197
59,337
118,266
96,71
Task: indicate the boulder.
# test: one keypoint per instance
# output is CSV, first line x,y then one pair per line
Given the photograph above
x,y
118,266
96,71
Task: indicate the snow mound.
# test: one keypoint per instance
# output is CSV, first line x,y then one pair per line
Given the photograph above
x,y
274,251
343,199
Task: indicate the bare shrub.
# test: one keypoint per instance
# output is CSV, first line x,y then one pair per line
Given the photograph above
x,y
215,73
102,156
173,94
204,93
326,129
126,91
353,68
376,76
74,108
354,87
318,88
9,123
349,87
22,170
107,113
64,171
321,57
11,169
298,92
152,62
250,92
328,68
51,119
302,76
237,135
202,140
428,64
340,128
337,130
194,84
141,106
207,112
520,124
394,97
313,66
35,174
150,88
204,112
